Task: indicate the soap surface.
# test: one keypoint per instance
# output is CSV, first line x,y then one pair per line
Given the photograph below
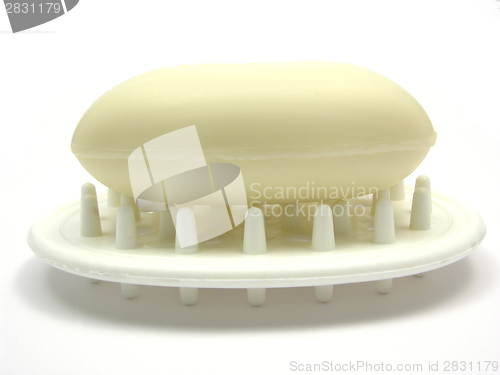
x,y
322,126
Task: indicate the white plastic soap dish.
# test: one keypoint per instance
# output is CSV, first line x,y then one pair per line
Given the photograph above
x,y
105,237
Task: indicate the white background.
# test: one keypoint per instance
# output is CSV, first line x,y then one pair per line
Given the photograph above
x,y
446,53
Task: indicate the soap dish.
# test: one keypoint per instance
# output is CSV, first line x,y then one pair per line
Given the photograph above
x,y
391,239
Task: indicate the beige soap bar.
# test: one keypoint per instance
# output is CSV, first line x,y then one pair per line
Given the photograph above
x,y
328,128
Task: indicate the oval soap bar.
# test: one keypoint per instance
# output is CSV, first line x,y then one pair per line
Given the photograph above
x,y
298,131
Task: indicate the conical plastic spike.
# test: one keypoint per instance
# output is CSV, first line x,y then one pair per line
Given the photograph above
x,y
424,182
256,296
129,290
383,223
421,210
324,293
126,231
322,237
384,286
189,296
88,189
254,238
126,200
90,222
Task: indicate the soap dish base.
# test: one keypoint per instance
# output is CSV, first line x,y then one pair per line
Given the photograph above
x,y
456,230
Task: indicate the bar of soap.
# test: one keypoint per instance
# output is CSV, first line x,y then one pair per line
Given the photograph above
x,y
315,128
